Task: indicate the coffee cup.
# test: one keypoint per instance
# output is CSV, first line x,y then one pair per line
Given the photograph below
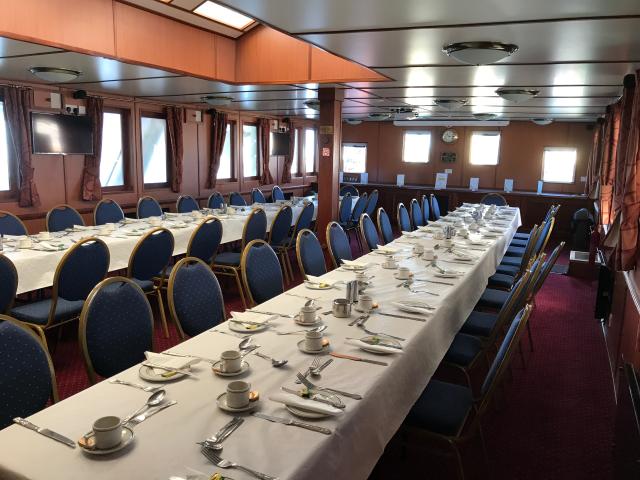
x,y
231,361
313,341
390,263
25,243
438,235
307,314
238,394
341,308
44,236
404,273
107,432
418,249
365,302
428,254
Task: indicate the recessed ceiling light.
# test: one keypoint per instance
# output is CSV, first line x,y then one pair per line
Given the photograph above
x,y
217,100
55,75
451,104
517,94
224,15
484,116
542,121
479,53
353,121
313,104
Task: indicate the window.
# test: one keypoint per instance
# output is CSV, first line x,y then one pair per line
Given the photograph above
x,y
416,147
295,166
309,150
225,169
485,148
154,150
559,165
354,157
5,164
112,167
250,150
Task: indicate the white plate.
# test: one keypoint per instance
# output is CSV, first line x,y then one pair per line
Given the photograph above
x,y
389,268
325,349
385,340
354,268
127,438
460,258
316,286
243,368
222,404
302,413
238,327
316,323
147,373
395,275
490,235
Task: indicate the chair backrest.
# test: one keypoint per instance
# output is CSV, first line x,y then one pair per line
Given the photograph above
x,y
372,203
148,207
535,267
261,272
494,199
304,220
151,255
416,214
186,204
529,247
81,268
359,207
280,226
435,207
195,298
107,211
404,222
237,200
8,283
310,255
216,200
255,227
369,232
11,225
384,226
546,268
205,240
543,237
515,301
350,189
62,217
26,372
344,213
116,327
257,196
276,193
424,204
338,244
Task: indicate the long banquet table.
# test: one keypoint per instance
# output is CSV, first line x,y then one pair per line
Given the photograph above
x,y
165,444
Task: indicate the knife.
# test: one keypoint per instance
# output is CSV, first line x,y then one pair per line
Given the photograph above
x,y
295,423
248,322
169,369
315,397
46,432
358,359
401,316
433,281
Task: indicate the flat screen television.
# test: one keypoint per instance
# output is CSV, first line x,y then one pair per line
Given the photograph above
x,y
54,133
280,143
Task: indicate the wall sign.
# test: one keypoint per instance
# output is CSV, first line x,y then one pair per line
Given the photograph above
x,y
326,152
448,157
326,129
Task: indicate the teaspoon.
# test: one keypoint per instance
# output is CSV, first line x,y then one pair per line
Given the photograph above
x,y
274,363
154,399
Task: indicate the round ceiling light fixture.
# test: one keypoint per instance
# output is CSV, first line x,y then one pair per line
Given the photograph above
x,y
404,114
379,116
353,121
217,100
313,104
54,74
484,116
517,95
542,121
479,53
451,104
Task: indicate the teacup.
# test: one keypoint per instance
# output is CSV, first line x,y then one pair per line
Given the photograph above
x,y
155,221
428,254
341,308
463,232
307,314
313,341
25,243
238,394
365,302
418,249
438,235
390,263
231,361
44,236
107,432
404,273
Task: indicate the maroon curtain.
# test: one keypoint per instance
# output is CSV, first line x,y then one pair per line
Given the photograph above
x,y
91,188
609,153
217,134
264,130
623,140
175,117
595,162
17,105
288,160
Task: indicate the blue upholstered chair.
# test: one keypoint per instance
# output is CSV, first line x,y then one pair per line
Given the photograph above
x,y
107,211
205,240
261,272
228,263
553,209
417,220
350,189
194,296
116,327
148,263
435,207
344,212
369,232
62,217
372,203
237,200
505,274
11,225
517,259
257,196
303,221
8,284
26,372
494,199
404,221
338,244
186,204
279,235
216,200
384,226
277,194
310,256
81,268
424,203
148,207
358,209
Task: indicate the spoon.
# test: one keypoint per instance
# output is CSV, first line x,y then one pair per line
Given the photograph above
x,y
320,328
245,343
274,363
155,399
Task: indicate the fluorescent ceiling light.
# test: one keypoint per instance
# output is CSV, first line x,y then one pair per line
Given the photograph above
x,y
450,123
485,116
479,53
542,121
517,95
450,104
55,75
224,15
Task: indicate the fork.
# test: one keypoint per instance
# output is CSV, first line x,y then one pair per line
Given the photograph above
x,y
315,364
358,319
380,334
312,386
222,463
146,388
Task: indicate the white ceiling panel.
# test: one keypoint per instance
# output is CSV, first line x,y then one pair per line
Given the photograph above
x,y
12,48
499,102
239,96
469,91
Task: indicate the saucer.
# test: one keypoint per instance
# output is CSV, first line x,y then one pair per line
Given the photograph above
x,y
360,310
245,327
325,348
403,279
316,323
318,286
127,438
244,368
222,404
389,268
147,373
303,413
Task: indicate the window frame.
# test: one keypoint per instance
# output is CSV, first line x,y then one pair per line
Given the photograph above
x,y
296,149
150,186
233,168
12,167
313,172
492,133
127,173
417,132
575,165
355,144
241,156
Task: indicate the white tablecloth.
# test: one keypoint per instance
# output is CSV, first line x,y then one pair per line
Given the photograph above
x,y
165,444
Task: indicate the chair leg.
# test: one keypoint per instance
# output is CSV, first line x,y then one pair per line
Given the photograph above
x,y
239,284
530,337
287,258
459,462
43,337
163,317
287,279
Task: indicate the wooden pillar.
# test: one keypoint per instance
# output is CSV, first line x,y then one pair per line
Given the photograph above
x,y
329,145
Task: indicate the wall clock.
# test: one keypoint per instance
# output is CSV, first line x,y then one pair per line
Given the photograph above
x,y
449,136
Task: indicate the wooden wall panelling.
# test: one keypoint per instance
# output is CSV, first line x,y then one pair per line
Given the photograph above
x,y
225,58
327,67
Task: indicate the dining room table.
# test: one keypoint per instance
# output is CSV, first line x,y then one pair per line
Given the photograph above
x,y
165,445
